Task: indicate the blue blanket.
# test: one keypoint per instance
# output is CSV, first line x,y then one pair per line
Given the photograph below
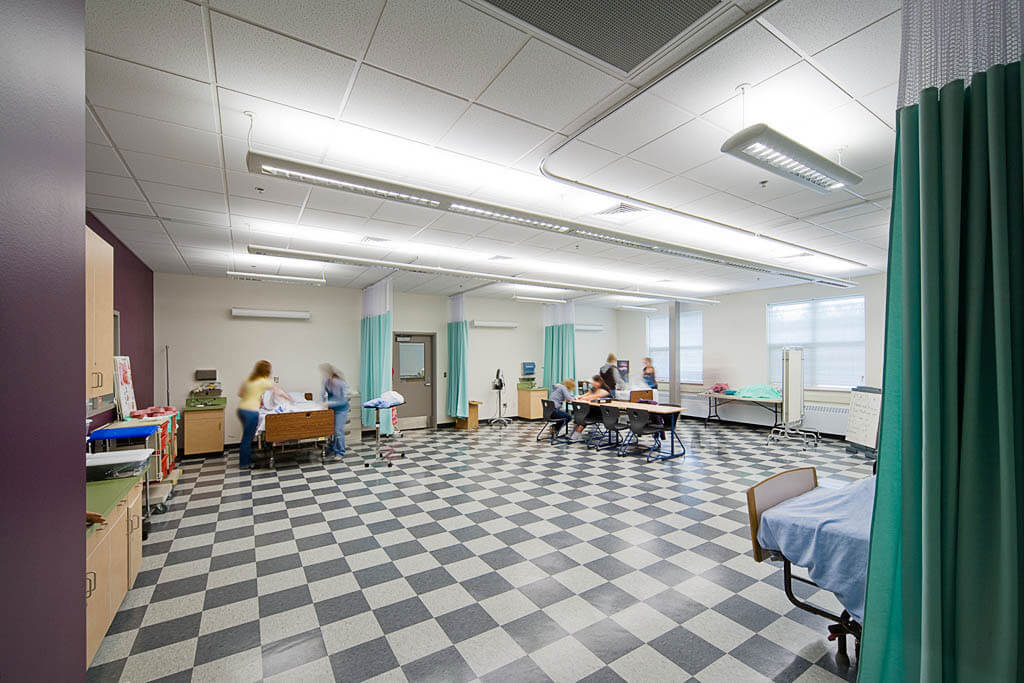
x,y
827,531
381,403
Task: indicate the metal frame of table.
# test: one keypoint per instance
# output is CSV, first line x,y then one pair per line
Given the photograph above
x,y
670,413
715,401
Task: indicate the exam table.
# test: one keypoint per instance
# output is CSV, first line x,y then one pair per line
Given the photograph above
x,y
825,530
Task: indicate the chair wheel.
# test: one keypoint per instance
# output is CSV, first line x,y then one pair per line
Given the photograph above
x,y
390,464
366,464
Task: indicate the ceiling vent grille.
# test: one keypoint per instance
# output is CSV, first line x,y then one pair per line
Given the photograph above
x,y
620,209
622,33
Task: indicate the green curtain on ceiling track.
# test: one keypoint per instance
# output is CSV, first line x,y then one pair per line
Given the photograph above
x,y
944,598
457,404
559,353
375,369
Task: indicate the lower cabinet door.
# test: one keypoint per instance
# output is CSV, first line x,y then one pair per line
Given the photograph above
x,y
97,596
134,534
117,539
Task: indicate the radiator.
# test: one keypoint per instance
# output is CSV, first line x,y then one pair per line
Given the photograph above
x,y
827,418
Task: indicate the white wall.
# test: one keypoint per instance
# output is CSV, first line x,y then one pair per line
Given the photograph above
x,y
592,348
192,315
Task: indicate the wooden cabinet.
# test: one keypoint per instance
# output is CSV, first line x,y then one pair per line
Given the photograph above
x,y
99,316
204,431
530,407
113,555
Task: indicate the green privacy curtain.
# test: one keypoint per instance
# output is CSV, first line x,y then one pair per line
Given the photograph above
x,y
376,343
457,404
559,353
944,599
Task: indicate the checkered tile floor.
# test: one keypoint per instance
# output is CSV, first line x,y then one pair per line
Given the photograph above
x,y
481,556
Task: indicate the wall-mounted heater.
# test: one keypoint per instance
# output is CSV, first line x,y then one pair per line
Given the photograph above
x,y
269,313
493,323
589,328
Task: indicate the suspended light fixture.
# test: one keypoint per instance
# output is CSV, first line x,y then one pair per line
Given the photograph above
x,y
646,309
538,299
267,277
766,147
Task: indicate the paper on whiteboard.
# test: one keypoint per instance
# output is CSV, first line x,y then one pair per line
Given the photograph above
x,y
865,411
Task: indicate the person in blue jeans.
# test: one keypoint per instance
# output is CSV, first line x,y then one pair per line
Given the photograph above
x,y
251,395
335,394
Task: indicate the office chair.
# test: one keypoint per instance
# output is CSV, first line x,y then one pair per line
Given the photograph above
x,y
640,425
584,415
548,420
613,427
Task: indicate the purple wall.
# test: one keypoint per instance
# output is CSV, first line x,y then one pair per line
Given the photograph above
x,y
133,299
42,340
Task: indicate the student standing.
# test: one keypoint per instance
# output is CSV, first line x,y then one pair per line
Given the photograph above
x,y
560,393
611,376
335,394
649,378
251,393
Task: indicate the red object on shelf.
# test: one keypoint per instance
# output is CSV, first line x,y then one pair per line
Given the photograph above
x,y
154,411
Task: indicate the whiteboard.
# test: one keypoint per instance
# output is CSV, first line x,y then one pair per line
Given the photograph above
x,y
792,385
865,411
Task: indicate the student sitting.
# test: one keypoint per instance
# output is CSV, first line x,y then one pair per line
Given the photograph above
x,y
560,393
597,390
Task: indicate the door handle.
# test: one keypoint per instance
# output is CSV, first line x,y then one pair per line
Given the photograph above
x,y
90,584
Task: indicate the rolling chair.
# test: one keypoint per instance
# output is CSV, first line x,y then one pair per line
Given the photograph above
x,y
640,425
584,415
613,427
549,408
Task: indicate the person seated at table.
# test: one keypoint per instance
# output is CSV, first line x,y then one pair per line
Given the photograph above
x,y
597,390
560,393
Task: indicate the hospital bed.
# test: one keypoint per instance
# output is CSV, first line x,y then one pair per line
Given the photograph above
x,y
293,427
825,530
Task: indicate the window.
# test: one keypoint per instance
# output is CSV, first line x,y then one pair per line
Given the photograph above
x,y
831,332
691,346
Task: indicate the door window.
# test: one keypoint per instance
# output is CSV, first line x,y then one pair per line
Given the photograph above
x,y
411,360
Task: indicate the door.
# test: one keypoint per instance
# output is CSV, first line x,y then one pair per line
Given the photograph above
x,y
413,377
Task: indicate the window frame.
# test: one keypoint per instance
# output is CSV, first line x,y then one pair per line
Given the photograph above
x,y
662,375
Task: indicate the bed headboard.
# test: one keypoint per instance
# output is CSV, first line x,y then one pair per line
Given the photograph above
x,y
772,491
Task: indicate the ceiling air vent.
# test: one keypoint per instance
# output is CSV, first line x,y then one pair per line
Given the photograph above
x,y
620,209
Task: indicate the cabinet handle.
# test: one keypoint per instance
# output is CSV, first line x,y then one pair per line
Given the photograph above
x,y
90,584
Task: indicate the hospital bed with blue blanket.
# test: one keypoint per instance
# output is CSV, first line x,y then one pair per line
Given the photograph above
x,y
826,531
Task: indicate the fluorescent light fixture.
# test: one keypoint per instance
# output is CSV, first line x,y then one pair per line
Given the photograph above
x,y
439,270
589,328
538,299
268,313
267,277
266,164
646,309
493,323
766,147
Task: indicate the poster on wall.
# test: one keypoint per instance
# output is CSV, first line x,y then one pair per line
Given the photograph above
x,y
124,391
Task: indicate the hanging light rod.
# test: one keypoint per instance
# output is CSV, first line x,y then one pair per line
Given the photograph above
x,y
766,147
261,277
322,257
646,309
266,164
538,299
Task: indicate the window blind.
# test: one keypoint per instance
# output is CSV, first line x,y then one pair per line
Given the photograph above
x,y
831,332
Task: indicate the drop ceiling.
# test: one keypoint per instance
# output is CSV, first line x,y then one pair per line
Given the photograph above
x,y
453,96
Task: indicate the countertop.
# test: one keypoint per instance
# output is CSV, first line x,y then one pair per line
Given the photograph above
x,y
102,496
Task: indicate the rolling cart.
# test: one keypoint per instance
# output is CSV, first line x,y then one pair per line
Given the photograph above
x,y
382,452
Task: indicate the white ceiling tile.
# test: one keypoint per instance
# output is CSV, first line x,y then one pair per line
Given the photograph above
x,y
159,193
749,55
754,216
183,213
236,149
466,225
545,85
93,133
112,186
274,125
627,176
531,162
135,239
341,25
868,59
116,84
876,180
871,219
409,214
330,220
198,236
444,43
675,191
173,172
492,136
691,144
717,206
388,230
729,174
140,134
259,62
508,233
269,211
807,201
103,159
813,25
388,103
578,160
342,202
441,237
208,256
882,103
273,189
865,141
633,125
99,202
166,34
242,238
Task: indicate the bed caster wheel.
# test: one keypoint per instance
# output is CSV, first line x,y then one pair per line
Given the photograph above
x,y
366,464
390,464
270,463
842,660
